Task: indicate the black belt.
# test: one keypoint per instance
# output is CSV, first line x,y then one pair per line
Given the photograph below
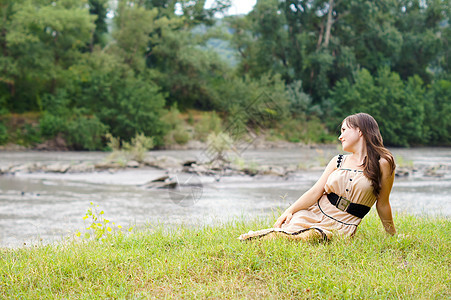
x,y
343,204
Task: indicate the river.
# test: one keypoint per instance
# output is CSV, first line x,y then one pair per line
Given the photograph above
x,y
46,207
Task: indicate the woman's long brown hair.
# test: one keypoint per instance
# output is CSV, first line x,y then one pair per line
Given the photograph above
x,y
374,147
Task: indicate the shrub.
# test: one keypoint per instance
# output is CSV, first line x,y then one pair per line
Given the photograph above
x,y
437,122
81,132
85,132
125,102
3,134
138,147
27,135
50,125
219,144
310,131
177,133
181,136
300,103
208,123
135,150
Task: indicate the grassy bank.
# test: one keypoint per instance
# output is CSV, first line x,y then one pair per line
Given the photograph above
x,y
210,262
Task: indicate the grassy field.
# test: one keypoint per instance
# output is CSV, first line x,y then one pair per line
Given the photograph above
x,y
210,262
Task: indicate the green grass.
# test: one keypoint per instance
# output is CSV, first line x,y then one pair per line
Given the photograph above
x,y
209,262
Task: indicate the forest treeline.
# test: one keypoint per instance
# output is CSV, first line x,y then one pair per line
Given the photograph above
x,y
83,69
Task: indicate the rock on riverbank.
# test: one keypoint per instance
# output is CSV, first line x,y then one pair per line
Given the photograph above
x,y
174,165
167,163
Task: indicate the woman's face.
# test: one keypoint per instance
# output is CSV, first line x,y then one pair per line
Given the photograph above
x,y
349,137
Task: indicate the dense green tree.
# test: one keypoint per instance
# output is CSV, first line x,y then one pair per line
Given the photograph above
x,y
151,32
321,42
257,102
420,23
125,101
8,67
134,26
438,113
43,40
99,8
286,37
398,106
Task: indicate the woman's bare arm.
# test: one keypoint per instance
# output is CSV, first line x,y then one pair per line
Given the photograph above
x,y
309,197
383,204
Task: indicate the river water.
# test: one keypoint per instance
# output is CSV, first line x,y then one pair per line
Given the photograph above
x,y
45,207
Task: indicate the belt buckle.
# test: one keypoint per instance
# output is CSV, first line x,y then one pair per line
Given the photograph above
x,y
343,203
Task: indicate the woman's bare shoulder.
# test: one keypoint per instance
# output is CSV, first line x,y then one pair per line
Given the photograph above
x,y
385,166
384,162
334,160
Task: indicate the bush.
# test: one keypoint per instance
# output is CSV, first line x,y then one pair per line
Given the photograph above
x,y
135,150
310,131
125,102
300,103
219,144
133,106
181,136
81,132
138,147
85,133
437,122
3,134
177,133
27,135
208,123
50,125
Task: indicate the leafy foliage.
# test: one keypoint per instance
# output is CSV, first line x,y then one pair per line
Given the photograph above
x,y
208,123
260,102
43,39
125,151
99,8
50,125
398,106
438,113
3,134
219,144
85,132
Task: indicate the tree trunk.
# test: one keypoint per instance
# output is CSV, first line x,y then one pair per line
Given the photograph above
x,y
329,23
320,38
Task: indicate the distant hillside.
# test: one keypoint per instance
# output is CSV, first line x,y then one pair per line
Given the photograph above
x,y
221,46
225,51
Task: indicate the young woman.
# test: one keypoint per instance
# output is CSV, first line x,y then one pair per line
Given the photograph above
x,y
346,191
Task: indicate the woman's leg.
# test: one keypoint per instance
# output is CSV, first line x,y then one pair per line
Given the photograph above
x,y
255,234
305,235
272,233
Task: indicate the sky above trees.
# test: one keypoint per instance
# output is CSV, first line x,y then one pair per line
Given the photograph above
x,y
238,7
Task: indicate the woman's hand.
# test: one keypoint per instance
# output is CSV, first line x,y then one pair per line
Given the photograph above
x,y
284,218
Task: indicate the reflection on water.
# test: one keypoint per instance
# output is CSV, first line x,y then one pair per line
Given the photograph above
x,y
50,206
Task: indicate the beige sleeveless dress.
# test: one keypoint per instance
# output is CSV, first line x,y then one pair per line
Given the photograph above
x,y
325,218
